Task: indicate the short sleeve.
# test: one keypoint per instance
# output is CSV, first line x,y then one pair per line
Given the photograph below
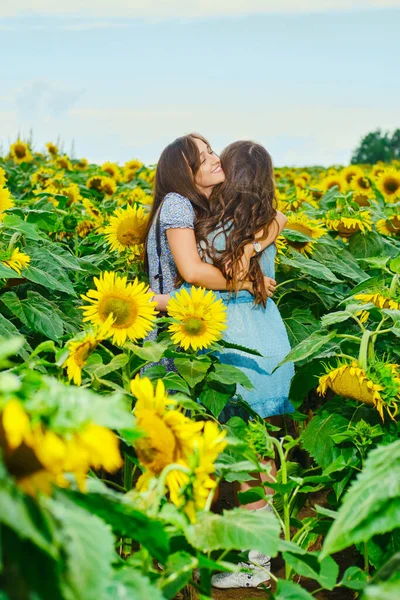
x,y
177,213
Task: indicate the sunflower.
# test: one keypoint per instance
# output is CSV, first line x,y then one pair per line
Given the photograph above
x,y
351,381
310,227
334,180
380,299
389,226
95,183
377,169
130,304
81,164
350,172
281,244
109,186
39,457
294,203
127,228
170,435
113,170
388,183
363,198
139,196
360,183
347,226
198,318
299,182
72,192
130,169
52,149
20,152
3,177
306,176
80,347
207,448
100,447
85,227
17,261
93,211
156,414
6,202
63,162
15,424
42,176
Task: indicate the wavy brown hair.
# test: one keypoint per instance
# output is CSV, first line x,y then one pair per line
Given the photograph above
x,y
175,172
243,206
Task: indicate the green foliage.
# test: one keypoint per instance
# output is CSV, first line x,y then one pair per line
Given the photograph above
x,y
377,146
372,505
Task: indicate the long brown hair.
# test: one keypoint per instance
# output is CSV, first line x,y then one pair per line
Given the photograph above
x,y
243,206
176,169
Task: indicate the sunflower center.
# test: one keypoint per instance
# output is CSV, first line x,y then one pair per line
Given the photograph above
x,y
128,234
20,151
95,184
82,353
361,199
123,310
391,185
155,451
194,326
364,183
333,183
396,222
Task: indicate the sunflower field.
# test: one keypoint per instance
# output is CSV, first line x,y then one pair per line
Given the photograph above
x,y
111,464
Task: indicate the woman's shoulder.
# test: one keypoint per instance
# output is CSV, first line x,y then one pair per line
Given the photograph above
x,y
177,211
173,199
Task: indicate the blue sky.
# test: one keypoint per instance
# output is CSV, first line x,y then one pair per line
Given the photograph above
x,y
121,84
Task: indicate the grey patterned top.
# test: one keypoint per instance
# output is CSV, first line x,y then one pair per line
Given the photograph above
x,y
176,213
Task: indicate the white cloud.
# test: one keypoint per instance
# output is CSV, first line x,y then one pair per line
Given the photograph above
x,y
164,9
41,98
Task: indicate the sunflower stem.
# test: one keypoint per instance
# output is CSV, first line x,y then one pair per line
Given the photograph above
x,y
364,346
347,336
286,504
285,282
394,283
160,489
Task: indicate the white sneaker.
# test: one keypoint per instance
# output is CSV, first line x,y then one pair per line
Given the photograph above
x,y
257,575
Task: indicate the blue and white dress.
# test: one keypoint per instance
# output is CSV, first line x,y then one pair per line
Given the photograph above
x,y
249,325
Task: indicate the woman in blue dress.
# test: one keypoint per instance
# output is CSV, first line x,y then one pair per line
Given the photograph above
x,y
234,225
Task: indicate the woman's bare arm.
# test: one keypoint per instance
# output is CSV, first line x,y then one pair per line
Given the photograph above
x,y
276,228
192,269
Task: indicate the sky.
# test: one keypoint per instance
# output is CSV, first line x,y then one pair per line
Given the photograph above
x,y
120,80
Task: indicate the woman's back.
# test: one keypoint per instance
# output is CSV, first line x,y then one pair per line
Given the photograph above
x,y
259,328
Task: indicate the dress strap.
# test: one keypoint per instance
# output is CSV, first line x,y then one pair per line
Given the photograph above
x,y
159,275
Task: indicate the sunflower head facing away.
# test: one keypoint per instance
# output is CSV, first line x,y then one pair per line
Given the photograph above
x,y
389,226
349,380
346,226
127,228
198,318
381,299
129,303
